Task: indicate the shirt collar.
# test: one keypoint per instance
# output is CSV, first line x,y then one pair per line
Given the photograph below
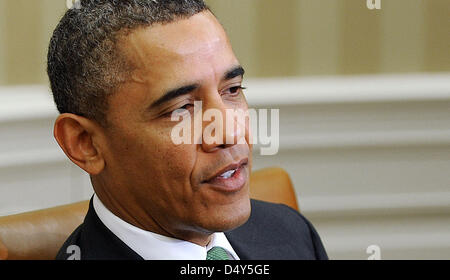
x,y
152,246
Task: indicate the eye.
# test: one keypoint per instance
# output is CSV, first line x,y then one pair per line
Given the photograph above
x,y
183,109
234,90
186,107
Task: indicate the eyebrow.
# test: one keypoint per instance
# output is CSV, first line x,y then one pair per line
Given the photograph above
x,y
174,93
234,72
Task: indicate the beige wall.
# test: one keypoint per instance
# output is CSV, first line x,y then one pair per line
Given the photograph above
x,y
25,31
328,37
271,37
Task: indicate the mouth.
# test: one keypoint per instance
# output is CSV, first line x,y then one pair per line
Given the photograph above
x,y
231,178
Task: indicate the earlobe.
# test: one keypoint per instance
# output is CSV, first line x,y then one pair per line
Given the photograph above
x,y
75,135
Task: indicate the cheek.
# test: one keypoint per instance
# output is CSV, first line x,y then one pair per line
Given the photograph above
x,y
155,155
177,162
245,124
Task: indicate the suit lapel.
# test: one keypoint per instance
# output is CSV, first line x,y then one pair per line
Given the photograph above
x,y
252,240
250,244
100,243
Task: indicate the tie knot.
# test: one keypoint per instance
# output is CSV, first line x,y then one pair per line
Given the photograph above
x,y
217,253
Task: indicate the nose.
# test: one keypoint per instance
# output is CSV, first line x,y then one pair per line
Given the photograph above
x,y
223,127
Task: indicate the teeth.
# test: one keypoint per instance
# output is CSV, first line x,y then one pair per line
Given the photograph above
x,y
228,174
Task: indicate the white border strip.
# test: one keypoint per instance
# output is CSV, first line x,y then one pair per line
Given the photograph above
x,y
25,102
328,207
348,89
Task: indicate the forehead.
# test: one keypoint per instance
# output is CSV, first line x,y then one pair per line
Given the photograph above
x,y
172,50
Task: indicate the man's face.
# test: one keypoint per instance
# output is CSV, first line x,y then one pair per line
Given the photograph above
x,y
154,183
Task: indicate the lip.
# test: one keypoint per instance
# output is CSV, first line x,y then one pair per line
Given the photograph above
x,y
235,182
229,167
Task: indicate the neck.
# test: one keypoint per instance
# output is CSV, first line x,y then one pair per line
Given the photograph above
x,y
138,218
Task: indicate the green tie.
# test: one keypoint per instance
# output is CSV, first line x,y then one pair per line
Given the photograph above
x,y
217,253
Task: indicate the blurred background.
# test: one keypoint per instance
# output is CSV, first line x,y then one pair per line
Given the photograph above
x,y
364,99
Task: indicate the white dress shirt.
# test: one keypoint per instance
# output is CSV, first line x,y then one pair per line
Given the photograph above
x,y
152,246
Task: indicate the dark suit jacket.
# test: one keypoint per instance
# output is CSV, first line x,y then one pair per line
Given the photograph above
x,y
273,232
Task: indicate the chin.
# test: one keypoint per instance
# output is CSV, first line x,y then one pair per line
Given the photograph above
x,y
226,218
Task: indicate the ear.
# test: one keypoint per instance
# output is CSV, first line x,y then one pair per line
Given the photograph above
x,y
80,139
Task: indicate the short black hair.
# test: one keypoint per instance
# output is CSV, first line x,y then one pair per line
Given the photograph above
x,y
84,65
